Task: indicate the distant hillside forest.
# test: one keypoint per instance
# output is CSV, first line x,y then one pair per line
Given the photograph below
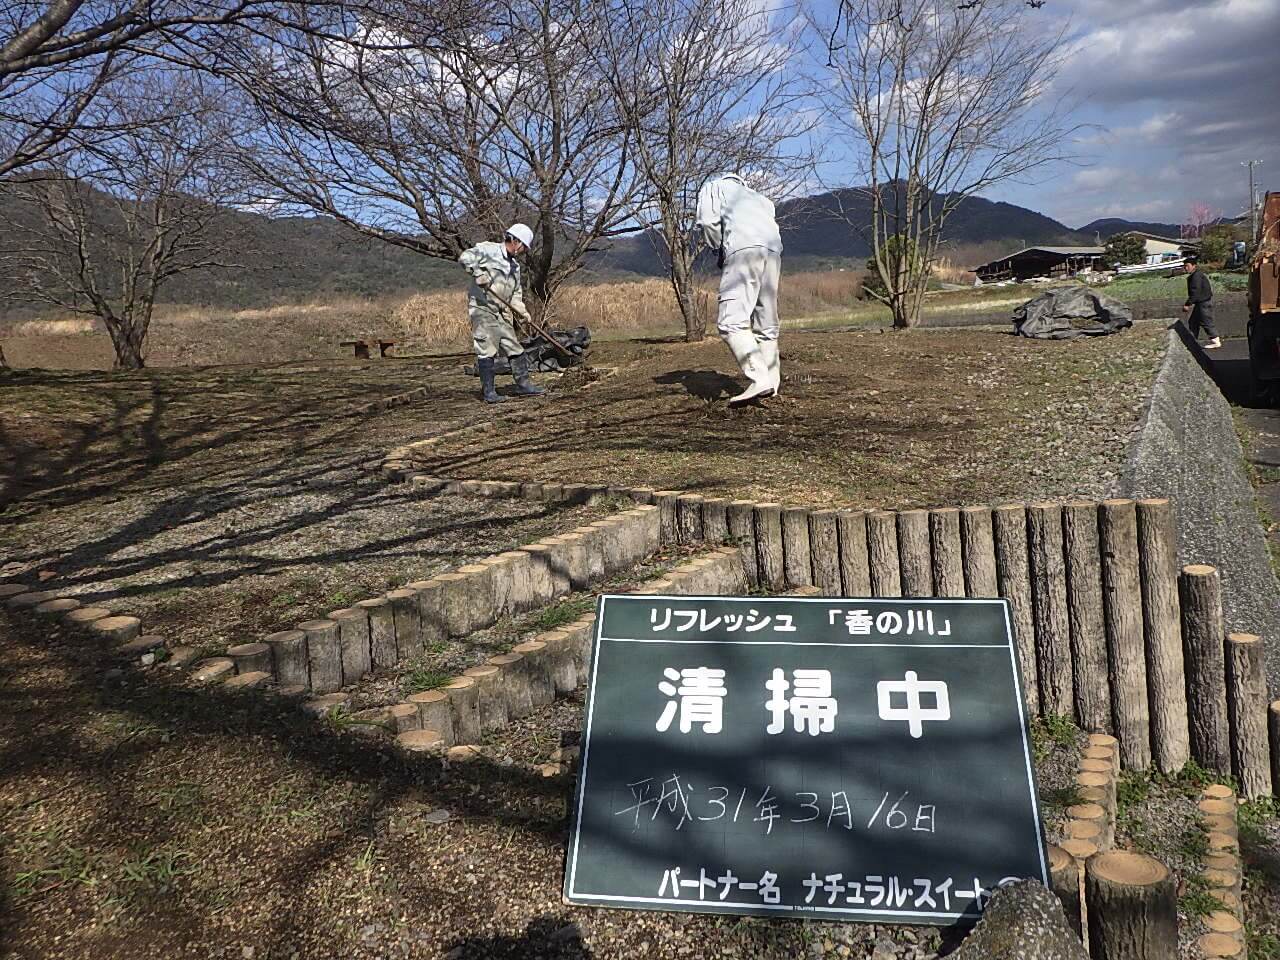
x,y
302,259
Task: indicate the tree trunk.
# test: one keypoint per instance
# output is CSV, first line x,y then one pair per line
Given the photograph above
x,y
1132,908
126,341
695,320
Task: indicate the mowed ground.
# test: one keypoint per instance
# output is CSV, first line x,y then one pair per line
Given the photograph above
x,y
141,818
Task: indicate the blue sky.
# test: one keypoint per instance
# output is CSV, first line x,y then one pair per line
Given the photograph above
x,y
1180,91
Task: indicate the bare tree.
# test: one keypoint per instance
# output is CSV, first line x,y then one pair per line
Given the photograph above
x,y
705,88
103,230
435,140
937,102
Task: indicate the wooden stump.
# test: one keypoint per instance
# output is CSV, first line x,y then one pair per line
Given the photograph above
x,y
1049,609
689,519
1166,673
742,531
1126,646
353,641
1085,618
405,622
435,712
562,663
715,520
119,629
948,554
433,620
666,502
455,603
557,564
979,548
501,579
1247,711
538,666
882,554
1132,905
514,684
382,631
1009,531
464,701
405,717
915,561
324,655
1273,725
515,568
796,551
1203,636
416,743
491,696
824,545
769,553
1064,873
289,657
855,576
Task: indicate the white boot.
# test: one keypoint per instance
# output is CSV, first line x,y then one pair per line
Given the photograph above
x,y
752,363
769,352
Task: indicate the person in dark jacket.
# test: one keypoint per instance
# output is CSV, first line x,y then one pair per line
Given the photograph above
x,y
1200,304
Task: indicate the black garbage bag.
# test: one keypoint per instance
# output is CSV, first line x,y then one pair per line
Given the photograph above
x,y
1070,312
544,357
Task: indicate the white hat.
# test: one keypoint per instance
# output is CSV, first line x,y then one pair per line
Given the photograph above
x,y
519,231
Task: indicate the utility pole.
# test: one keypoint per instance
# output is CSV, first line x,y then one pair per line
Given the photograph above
x,y
1253,204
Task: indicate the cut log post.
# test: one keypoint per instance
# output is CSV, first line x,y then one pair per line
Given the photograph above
x,y
435,712
578,557
500,580
1049,608
1247,711
1009,531
433,620
1203,636
1085,618
455,604
613,545
324,655
1132,906
562,661
464,702
915,561
1097,815
742,531
405,717
1273,725
855,575
417,743
770,556
382,631
1126,647
948,554
882,554
517,568
513,682
824,546
1166,671
289,658
797,553
405,622
715,520
1064,873
251,657
689,518
538,668
979,547
491,696
353,640
553,553
476,593
666,502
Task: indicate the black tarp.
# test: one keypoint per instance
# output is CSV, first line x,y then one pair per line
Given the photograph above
x,y
544,357
1069,312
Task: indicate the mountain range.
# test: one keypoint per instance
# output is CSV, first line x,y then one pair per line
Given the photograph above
x,y
297,259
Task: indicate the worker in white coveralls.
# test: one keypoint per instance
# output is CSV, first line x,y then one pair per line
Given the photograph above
x,y
740,223
495,296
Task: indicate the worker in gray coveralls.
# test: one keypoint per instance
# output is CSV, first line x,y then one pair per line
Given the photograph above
x,y
739,222
1200,304
494,297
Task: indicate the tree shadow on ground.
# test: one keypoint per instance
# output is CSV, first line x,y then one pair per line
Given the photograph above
x,y
546,938
703,384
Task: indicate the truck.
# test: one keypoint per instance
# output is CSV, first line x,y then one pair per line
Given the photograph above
x,y
1264,305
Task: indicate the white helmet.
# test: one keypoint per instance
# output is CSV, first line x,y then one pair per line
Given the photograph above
x,y
519,231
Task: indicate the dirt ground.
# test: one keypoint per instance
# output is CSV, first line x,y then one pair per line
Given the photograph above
x,y
922,418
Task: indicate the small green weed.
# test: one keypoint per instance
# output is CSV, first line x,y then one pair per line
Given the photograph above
x,y
1194,843
1262,946
157,870
1253,815
1062,797
1199,902
1133,788
421,678
558,614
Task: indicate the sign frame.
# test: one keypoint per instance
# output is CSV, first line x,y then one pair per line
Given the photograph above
x,y
942,918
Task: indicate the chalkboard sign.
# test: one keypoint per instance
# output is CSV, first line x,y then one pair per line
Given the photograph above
x,y
803,757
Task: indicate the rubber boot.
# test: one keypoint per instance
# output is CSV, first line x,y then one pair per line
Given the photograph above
x,y
520,370
769,351
484,367
746,351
